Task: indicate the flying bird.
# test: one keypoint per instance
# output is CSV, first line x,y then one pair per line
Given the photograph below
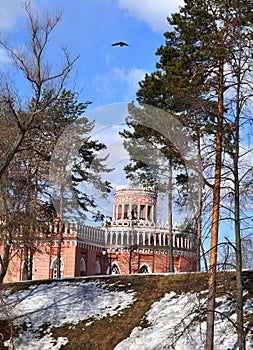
x,y
120,43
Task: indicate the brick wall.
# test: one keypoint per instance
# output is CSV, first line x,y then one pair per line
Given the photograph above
x,y
131,262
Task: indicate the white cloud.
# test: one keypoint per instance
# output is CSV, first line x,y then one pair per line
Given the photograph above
x,y
153,12
134,76
108,84
129,77
10,11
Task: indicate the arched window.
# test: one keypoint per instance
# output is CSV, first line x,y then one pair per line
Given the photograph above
x,y
115,269
82,267
98,268
144,269
54,267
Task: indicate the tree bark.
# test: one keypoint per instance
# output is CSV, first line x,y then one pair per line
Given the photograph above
x,y
6,239
4,261
239,283
170,219
215,214
199,217
60,233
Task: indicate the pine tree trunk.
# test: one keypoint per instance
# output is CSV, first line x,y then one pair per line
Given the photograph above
x,y
199,217
60,227
170,219
239,284
215,214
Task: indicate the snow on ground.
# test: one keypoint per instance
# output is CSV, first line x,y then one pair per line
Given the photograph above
x,y
58,304
169,317
70,302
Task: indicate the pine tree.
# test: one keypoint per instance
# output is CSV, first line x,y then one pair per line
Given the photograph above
x,y
192,81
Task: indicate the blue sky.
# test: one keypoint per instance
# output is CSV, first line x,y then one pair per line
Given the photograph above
x,y
105,74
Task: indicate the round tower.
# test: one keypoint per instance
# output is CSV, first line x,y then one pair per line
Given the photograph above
x,y
136,243
134,204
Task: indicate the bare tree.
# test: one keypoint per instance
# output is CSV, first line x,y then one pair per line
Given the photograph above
x,y
21,118
30,61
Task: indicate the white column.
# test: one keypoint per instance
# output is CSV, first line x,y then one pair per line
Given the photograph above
x,y
130,211
153,213
154,234
174,241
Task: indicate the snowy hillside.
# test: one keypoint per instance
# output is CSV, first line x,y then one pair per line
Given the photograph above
x,y
49,314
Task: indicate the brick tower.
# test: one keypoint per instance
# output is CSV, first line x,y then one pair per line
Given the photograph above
x,y
135,243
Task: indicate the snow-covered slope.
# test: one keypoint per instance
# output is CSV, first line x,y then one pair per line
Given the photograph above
x,y
176,321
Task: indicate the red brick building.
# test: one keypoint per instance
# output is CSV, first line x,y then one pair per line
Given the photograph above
x,y
128,243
